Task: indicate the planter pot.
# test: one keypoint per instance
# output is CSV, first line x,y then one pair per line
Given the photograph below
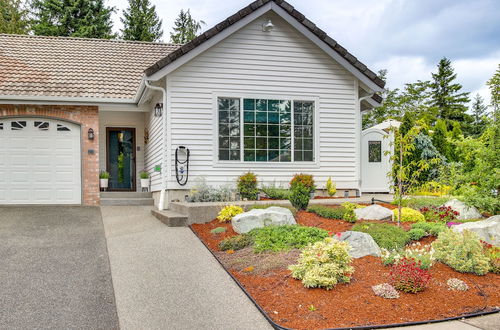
x,y
104,183
145,183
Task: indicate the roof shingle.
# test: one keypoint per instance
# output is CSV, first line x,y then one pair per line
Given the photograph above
x,y
75,67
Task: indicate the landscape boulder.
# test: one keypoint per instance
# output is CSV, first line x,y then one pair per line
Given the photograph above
x,y
373,212
361,244
466,212
259,218
488,230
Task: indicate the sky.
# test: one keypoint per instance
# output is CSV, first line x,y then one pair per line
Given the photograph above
x,y
406,37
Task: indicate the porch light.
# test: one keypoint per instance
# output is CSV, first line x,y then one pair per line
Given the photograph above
x,y
268,26
158,109
91,134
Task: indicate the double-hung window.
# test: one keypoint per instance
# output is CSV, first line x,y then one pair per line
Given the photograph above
x,y
265,130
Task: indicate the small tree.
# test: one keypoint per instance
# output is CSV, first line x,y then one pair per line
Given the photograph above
x,y
494,86
185,28
405,174
13,17
140,22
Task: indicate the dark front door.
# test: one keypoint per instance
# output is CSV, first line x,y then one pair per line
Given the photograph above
x,y
120,156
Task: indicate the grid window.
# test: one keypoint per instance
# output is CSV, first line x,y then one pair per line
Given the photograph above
x,y
266,130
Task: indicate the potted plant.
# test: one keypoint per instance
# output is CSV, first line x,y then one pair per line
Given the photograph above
x,y
104,179
144,180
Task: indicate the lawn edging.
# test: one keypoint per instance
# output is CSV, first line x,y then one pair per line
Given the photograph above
x,y
278,327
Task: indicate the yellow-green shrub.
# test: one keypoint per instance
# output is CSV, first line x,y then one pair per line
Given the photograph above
x,y
228,212
324,264
408,215
349,214
331,187
433,188
463,252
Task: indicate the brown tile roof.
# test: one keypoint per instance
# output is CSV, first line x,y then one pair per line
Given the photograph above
x,y
186,48
75,67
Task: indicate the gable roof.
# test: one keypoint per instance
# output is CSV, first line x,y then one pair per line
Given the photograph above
x,y
59,67
254,6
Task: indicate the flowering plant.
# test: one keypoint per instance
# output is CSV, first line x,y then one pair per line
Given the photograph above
x,y
423,255
441,213
407,276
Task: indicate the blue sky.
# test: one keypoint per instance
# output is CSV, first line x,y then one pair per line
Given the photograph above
x,y
407,37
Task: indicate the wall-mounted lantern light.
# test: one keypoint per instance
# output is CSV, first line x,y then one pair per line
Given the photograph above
x,y
268,26
91,134
158,109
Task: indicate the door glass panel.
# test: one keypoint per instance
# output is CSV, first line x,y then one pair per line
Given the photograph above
x,y
121,159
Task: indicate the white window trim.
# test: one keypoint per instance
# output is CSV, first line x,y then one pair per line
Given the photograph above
x,y
262,165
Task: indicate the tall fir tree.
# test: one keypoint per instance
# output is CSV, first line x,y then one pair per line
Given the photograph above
x,y
494,86
185,28
73,18
446,94
14,17
479,118
141,22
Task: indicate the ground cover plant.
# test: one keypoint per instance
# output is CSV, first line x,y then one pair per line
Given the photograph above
x,y
324,264
420,202
463,252
430,228
385,235
327,211
236,242
283,238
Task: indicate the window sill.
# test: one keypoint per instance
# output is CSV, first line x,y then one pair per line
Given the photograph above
x,y
267,165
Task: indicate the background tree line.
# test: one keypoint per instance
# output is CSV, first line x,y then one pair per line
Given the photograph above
x,y
92,19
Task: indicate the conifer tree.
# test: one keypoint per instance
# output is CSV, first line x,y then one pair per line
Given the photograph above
x,y
73,18
446,94
494,86
140,21
185,28
439,139
13,17
479,120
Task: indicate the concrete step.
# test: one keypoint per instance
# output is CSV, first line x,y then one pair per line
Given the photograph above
x,y
125,194
171,218
126,201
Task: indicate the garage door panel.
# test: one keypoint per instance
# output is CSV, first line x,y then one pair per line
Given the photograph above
x,y
38,163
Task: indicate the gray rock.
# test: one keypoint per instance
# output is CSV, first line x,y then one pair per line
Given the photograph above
x,y
259,218
488,230
361,244
373,212
466,212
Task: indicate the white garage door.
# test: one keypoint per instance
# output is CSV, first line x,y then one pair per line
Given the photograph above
x,y
40,161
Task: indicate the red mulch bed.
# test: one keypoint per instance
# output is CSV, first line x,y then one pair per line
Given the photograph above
x,y
315,197
287,302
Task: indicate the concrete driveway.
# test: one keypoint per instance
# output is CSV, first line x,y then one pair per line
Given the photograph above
x,y
54,269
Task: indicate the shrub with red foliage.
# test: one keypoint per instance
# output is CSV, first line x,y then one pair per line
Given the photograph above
x,y
305,180
407,276
441,213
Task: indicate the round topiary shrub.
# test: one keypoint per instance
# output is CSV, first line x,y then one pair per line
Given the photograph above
x,y
408,215
247,186
305,180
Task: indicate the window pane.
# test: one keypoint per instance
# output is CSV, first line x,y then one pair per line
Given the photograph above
x,y
273,105
273,118
229,128
274,143
261,143
249,143
248,104
249,130
273,155
303,130
249,117
374,151
261,117
249,155
261,130
261,105
261,155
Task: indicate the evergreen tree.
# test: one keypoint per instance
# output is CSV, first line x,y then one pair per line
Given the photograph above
x,y
73,18
185,28
439,139
13,17
478,110
494,85
141,22
446,94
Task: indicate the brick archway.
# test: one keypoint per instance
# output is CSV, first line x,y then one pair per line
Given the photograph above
x,y
87,117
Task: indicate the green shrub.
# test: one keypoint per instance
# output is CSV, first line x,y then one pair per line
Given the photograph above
x,y
331,187
104,175
305,180
386,236
327,212
265,206
300,196
430,228
349,214
218,230
324,264
287,237
247,186
493,254
276,193
462,252
416,234
236,242
408,215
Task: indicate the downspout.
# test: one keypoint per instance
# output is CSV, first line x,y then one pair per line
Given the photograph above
x,y
164,160
360,128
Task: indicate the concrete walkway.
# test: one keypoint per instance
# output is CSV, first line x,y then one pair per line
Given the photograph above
x,y
164,278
